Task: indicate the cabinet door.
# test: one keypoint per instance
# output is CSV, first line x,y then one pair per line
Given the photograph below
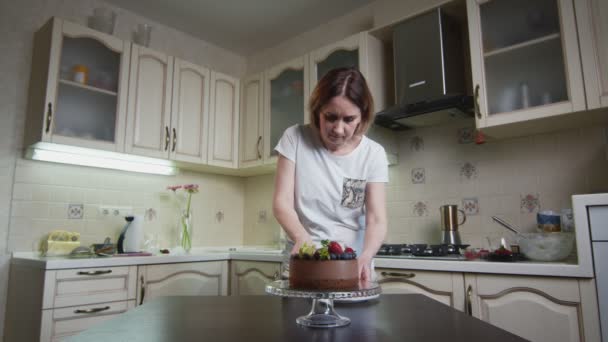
x,y
530,70
78,87
149,111
593,34
190,112
251,277
252,121
183,279
343,54
444,287
58,324
537,309
285,102
223,120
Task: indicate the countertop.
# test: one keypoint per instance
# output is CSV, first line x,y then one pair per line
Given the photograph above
x,y
270,254
411,317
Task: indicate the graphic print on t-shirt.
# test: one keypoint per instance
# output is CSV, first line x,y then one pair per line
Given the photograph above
x,y
353,193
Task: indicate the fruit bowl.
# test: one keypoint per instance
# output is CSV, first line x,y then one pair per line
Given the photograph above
x,y
546,246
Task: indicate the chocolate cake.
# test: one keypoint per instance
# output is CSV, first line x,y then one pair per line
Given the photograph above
x,y
311,274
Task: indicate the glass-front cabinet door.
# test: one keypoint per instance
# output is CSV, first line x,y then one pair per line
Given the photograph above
x,y
86,86
285,101
342,54
525,60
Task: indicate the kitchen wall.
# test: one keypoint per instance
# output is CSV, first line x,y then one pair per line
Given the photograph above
x,y
35,196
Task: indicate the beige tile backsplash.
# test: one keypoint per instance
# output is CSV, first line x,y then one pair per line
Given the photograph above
x,y
550,167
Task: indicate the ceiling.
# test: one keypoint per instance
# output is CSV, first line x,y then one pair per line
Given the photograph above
x,y
242,26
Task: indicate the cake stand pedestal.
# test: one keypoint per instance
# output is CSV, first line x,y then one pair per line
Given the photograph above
x,y
322,313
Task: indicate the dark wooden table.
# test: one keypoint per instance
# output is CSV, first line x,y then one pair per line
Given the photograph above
x,y
267,318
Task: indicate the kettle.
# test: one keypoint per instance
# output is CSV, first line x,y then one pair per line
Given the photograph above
x,y
449,224
131,237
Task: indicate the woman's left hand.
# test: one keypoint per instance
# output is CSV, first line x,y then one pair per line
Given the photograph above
x,y
364,264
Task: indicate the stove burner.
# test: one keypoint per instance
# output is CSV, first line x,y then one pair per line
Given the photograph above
x,y
420,249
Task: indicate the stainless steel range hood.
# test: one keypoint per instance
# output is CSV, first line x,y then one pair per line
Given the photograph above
x,y
429,73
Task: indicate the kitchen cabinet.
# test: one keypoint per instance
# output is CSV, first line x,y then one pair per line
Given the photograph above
x,y
444,287
168,107
528,72
182,279
78,87
593,34
251,277
285,102
535,308
149,118
251,121
223,120
51,305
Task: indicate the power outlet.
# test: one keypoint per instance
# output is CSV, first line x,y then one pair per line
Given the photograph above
x,y
114,211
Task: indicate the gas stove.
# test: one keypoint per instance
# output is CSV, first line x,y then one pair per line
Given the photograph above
x,y
422,251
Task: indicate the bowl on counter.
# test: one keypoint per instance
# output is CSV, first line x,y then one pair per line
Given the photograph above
x,y
546,246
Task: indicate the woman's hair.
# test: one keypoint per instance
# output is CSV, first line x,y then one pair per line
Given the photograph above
x,y
347,82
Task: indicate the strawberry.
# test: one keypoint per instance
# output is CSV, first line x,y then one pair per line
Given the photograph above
x,y
349,250
335,248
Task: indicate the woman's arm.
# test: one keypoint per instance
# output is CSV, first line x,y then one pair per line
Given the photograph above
x,y
375,222
283,206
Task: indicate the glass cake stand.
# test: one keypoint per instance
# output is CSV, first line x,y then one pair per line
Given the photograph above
x,y
322,313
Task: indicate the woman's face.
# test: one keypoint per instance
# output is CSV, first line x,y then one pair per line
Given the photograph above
x,y
338,121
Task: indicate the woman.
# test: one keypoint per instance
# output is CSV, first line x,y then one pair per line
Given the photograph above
x,y
330,180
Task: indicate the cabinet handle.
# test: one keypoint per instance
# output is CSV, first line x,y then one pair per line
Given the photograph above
x,y
167,138
94,273
277,275
258,147
468,301
49,117
174,140
93,310
477,110
400,275
142,290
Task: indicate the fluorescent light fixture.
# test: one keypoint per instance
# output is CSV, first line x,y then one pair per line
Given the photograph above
x,y
97,158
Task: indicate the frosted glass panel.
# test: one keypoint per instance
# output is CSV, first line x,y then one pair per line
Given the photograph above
x,y
338,59
509,22
526,77
87,92
82,113
286,103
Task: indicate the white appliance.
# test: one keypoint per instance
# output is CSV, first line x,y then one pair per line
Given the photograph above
x,y
592,211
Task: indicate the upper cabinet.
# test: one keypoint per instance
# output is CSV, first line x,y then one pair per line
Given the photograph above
x,y
285,99
525,60
149,119
168,109
224,120
593,34
78,87
252,121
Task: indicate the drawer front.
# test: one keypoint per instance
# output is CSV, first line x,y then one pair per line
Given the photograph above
x,y
58,324
436,285
89,285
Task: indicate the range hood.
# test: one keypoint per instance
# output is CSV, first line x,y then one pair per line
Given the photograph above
x,y
429,73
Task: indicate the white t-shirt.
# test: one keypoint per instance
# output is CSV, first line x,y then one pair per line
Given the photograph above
x,y
330,189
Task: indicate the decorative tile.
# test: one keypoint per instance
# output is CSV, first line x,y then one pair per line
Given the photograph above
x,y
418,176
417,143
420,209
466,135
75,211
529,203
468,171
150,214
470,206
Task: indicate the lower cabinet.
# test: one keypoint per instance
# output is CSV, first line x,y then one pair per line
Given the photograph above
x,y
251,277
182,279
535,308
58,324
50,305
445,287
